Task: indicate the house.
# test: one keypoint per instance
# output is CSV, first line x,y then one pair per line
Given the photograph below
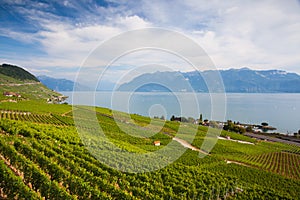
x,y
11,94
177,119
205,122
56,99
156,143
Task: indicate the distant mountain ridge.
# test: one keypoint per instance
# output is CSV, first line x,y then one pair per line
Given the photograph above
x,y
242,80
60,84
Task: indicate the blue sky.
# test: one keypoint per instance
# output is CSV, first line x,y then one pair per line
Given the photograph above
x,y
54,37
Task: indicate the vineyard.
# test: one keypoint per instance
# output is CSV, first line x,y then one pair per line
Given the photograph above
x,y
37,118
42,157
286,164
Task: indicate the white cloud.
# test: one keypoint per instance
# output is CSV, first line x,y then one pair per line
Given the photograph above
x,y
37,71
257,34
67,45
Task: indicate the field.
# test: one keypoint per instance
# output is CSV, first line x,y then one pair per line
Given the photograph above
x,y
43,156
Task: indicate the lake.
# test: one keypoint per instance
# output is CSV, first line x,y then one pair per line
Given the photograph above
x,y
279,110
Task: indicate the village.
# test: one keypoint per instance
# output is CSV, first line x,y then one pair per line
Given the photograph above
x,y
13,97
261,131
229,125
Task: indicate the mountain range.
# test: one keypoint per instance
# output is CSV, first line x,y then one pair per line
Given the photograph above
x,y
242,80
61,84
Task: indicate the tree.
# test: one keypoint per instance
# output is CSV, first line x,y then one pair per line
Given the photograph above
x,y
229,126
264,124
201,119
172,118
249,129
241,130
183,119
297,134
213,124
191,120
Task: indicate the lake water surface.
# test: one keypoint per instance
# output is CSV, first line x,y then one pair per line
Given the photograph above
x,y
279,110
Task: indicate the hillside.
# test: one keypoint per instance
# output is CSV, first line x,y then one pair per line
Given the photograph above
x,y
17,73
242,80
45,154
42,156
15,81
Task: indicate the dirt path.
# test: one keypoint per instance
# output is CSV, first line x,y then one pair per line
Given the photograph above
x,y
20,84
64,114
238,163
15,171
188,145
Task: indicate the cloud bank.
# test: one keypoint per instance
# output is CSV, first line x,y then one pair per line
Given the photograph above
x,y
45,36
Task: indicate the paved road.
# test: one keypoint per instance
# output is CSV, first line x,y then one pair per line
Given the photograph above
x,y
273,139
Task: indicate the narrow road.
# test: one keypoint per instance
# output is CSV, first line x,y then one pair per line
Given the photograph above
x,y
188,145
238,163
19,84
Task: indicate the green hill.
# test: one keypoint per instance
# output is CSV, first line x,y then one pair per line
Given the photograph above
x,y
17,73
15,81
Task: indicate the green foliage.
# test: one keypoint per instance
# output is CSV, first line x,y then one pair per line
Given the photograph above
x,y
46,149
251,178
230,126
17,73
264,124
36,107
17,80
13,185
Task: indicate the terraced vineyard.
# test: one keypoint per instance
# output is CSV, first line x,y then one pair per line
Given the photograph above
x,y
37,118
52,163
42,156
286,164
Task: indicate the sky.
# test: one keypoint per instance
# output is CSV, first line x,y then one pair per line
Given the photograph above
x,y
55,37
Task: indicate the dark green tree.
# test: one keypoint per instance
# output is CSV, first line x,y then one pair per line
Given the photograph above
x,y
191,120
172,118
249,129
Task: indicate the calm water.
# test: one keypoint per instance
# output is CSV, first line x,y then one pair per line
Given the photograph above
x,y
279,110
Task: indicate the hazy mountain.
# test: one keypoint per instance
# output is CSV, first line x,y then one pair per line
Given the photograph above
x,y
158,81
105,86
61,84
242,80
